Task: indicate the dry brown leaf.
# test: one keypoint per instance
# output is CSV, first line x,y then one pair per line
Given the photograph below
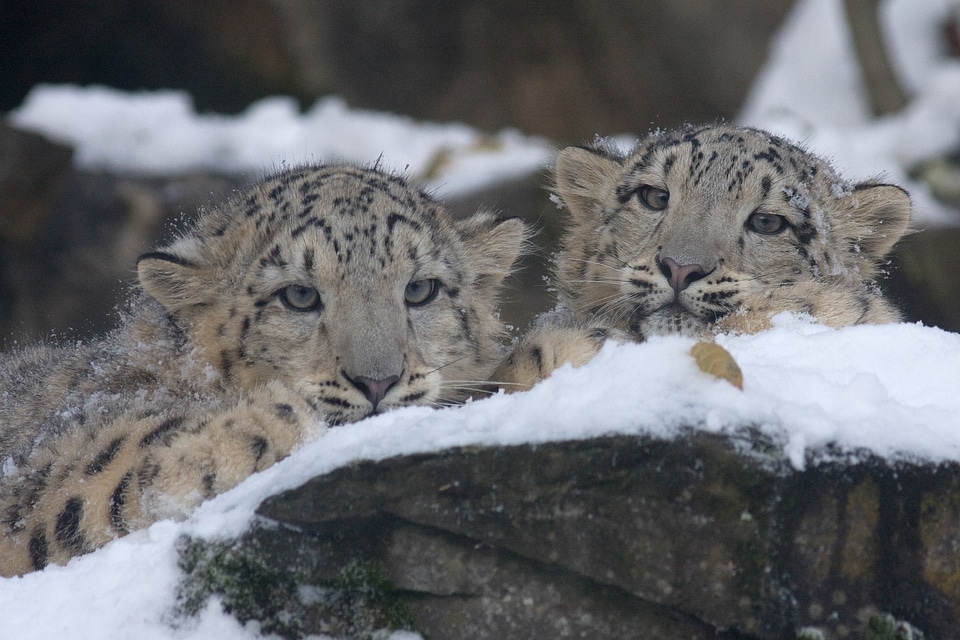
x,y
717,361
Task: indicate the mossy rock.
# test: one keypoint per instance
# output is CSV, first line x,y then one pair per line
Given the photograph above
x,y
359,603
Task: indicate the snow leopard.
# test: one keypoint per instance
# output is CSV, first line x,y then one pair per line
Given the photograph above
x,y
322,295
708,229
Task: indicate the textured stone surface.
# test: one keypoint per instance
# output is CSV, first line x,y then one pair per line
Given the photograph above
x,y
703,537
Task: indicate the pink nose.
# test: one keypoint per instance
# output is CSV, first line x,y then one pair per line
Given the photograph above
x,y
374,390
680,276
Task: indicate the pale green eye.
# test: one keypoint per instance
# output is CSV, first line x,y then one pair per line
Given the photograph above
x,y
421,292
300,297
766,224
656,199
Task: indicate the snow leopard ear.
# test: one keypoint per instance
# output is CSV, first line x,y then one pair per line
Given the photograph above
x,y
493,244
173,280
881,213
586,176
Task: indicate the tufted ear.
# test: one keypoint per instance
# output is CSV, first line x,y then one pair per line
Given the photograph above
x,y
584,177
493,244
173,280
882,213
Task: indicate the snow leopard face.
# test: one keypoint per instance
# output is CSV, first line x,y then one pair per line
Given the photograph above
x,y
320,296
344,284
699,224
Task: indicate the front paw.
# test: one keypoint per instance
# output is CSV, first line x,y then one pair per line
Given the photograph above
x,y
743,322
543,350
287,411
218,450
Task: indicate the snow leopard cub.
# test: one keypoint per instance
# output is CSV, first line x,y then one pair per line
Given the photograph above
x,y
321,295
703,230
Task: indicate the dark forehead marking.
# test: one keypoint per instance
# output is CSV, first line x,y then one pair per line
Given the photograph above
x,y
274,257
354,206
699,167
625,191
310,181
394,218
765,185
661,142
251,205
668,163
298,230
693,137
308,259
315,179
805,231
274,194
394,189
740,144
771,155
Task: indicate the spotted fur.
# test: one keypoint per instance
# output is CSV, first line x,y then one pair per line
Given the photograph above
x,y
708,229
320,296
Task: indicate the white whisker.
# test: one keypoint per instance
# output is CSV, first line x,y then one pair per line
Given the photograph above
x,y
600,264
452,362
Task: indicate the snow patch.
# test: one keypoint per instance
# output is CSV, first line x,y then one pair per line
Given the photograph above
x,y
160,133
811,89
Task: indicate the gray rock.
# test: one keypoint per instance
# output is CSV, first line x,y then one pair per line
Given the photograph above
x,y
705,536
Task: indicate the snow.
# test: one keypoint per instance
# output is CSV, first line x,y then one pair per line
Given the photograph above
x,y
811,90
159,133
886,390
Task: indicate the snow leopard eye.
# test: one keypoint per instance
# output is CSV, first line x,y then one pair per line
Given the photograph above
x,y
654,198
766,223
299,297
421,292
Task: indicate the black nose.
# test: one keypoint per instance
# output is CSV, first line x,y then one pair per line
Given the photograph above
x,y
680,276
374,390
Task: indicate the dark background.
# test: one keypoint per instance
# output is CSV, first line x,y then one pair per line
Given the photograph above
x,y
563,69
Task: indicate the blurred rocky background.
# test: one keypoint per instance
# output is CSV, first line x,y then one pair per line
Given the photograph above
x,y
566,69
